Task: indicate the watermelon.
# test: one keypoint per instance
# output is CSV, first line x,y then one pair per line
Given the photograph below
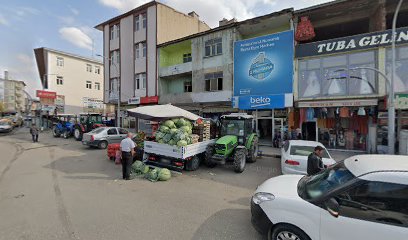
x,y
164,174
172,142
137,166
169,124
153,175
175,120
166,138
185,129
182,143
173,131
145,169
164,129
182,122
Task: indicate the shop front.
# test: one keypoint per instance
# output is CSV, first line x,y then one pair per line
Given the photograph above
x,y
133,123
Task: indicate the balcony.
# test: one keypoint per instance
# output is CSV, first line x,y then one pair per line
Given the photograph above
x,y
178,69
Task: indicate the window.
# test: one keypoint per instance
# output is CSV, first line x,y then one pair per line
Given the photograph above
x,y
328,76
97,86
137,51
305,151
97,70
114,31
144,17
213,81
213,47
60,80
122,131
112,131
60,61
115,57
380,202
140,81
88,67
137,23
113,85
188,87
187,57
401,71
89,84
144,49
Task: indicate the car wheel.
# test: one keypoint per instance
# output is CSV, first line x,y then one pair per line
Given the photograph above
x,y
103,145
239,160
208,155
193,164
65,134
253,152
77,134
286,232
55,132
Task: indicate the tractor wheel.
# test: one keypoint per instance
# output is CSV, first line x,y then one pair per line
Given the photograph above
x,y
208,155
253,151
65,134
193,164
239,160
55,132
103,145
78,134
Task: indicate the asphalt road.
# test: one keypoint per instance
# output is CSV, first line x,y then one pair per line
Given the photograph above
x,y
59,189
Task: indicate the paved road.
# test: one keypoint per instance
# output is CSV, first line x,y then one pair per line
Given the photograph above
x,y
59,189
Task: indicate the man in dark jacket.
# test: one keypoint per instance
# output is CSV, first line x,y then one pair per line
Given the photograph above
x,y
34,132
314,161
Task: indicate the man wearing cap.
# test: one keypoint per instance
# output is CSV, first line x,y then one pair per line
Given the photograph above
x,y
127,147
314,161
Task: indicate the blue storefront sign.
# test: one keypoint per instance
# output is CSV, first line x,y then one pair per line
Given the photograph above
x,y
263,69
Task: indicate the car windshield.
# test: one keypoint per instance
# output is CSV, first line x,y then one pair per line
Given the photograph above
x,y
233,127
305,151
98,130
4,123
312,187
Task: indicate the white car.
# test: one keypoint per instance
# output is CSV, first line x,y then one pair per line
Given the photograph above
x,y
295,153
362,197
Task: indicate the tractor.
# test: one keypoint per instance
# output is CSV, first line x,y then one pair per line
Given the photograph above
x,y
64,126
238,142
87,122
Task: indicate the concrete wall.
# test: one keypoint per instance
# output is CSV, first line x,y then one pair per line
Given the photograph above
x,y
173,24
75,75
126,58
151,51
106,64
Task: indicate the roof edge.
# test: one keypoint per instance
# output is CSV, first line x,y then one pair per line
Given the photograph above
x,y
69,54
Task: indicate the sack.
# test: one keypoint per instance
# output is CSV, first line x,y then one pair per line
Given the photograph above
x,y
118,158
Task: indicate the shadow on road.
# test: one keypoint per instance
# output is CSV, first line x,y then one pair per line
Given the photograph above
x,y
228,224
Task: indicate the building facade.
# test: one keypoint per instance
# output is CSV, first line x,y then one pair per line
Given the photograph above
x,y
12,95
130,51
339,96
76,80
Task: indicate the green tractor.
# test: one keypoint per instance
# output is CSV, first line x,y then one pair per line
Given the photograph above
x,y
238,142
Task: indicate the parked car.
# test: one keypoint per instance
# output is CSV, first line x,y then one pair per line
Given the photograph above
x,y
362,197
103,136
6,126
295,153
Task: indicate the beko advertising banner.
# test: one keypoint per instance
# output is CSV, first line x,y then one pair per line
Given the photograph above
x,y
263,71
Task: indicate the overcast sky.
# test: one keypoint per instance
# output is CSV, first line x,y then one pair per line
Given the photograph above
x,y
67,25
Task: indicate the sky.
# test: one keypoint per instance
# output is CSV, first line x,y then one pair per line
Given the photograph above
x,y
68,25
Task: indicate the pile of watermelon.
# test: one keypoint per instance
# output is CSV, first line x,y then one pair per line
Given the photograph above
x,y
175,132
153,175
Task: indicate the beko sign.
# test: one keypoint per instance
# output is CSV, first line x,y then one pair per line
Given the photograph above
x,y
363,41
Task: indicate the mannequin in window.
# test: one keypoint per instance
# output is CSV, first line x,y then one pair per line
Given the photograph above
x,y
313,85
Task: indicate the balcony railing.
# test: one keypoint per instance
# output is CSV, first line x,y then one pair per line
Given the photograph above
x,y
175,69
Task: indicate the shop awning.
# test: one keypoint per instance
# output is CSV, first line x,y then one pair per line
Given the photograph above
x,y
161,112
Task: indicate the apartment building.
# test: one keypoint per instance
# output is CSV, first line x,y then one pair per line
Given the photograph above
x,y
12,95
130,52
76,80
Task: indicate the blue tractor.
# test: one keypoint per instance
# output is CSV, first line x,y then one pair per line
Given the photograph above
x,y
64,126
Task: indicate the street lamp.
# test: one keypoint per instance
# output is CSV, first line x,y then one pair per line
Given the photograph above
x,y
118,87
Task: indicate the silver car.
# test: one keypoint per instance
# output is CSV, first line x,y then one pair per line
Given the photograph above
x,y
103,136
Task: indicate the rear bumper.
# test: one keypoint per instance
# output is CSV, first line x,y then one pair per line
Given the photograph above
x,y
259,219
94,143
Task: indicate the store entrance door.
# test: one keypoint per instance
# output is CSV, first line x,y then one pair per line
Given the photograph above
x,y
309,131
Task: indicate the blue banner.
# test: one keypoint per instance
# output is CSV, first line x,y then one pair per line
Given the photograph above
x,y
263,102
264,65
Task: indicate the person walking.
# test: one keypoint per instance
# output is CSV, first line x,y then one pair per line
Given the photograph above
x,y
127,147
34,132
314,161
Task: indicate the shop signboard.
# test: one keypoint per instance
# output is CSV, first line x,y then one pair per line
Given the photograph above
x,y
149,100
339,103
401,101
357,42
134,101
263,69
46,94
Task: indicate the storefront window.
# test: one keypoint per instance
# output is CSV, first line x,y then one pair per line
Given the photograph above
x,y
331,76
401,71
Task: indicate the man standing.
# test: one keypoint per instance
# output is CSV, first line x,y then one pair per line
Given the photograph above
x,y
314,161
34,132
127,147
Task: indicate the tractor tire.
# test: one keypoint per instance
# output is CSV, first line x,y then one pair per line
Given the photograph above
x,y
55,132
193,164
103,145
65,135
239,160
78,134
208,155
253,151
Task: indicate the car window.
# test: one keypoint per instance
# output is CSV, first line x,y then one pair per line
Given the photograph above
x,y
377,202
122,131
112,131
97,130
305,151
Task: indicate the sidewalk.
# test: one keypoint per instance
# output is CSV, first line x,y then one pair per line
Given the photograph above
x,y
276,153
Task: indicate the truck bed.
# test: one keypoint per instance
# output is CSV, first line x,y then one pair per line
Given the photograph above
x,y
174,151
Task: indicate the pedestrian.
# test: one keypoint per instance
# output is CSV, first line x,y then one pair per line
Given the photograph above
x,y
314,161
34,132
127,147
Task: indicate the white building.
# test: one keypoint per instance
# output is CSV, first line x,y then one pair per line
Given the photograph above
x,y
77,81
12,96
